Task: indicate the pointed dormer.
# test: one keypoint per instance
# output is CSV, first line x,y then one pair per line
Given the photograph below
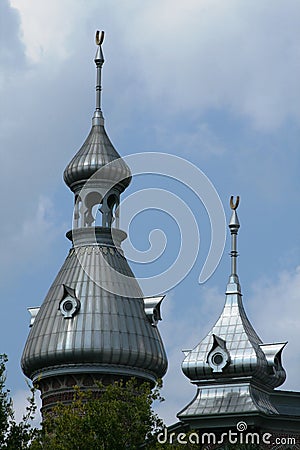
x,y
234,371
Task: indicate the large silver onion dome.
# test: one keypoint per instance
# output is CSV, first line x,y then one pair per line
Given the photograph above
x,y
107,333
96,152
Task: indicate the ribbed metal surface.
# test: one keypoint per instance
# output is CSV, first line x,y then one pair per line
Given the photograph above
x,y
232,399
238,350
235,372
243,344
110,333
96,152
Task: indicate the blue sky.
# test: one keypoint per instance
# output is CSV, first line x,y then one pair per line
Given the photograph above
x,y
214,82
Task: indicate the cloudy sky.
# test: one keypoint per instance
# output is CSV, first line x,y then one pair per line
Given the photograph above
x,y
214,82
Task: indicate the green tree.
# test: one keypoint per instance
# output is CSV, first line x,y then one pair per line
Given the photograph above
x,y
13,435
5,402
121,418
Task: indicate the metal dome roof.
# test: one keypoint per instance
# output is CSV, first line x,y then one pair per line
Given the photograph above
x,y
94,319
234,371
232,348
233,335
108,333
96,152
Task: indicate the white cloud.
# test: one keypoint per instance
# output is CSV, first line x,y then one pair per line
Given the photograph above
x,y
46,27
215,54
191,56
197,55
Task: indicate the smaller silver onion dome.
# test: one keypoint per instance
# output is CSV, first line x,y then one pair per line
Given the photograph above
x,y
232,347
234,370
97,150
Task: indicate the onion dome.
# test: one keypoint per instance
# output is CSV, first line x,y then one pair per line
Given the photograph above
x,y
97,150
234,370
83,327
232,347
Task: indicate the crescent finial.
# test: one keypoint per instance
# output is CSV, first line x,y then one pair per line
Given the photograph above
x,y
99,37
234,205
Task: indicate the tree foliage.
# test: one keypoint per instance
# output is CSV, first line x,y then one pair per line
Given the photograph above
x,y
121,418
13,435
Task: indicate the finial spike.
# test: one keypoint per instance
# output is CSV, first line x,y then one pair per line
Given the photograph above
x,y
234,226
99,60
234,223
234,205
99,37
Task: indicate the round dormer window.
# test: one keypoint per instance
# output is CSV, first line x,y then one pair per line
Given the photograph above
x,y
217,359
69,306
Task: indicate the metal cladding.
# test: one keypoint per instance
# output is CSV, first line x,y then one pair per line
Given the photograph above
x,y
235,372
94,321
243,351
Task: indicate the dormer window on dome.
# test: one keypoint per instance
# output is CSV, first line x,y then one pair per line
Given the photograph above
x,y
69,304
218,358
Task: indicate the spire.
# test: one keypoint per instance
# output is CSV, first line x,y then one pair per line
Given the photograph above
x,y
233,369
102,328
234,225
97,152
99,60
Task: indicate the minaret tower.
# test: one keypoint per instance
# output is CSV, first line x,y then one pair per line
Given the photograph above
x,y
94,323
235,373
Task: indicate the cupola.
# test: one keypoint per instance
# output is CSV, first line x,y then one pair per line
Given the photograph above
x,y
98,162
233,369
